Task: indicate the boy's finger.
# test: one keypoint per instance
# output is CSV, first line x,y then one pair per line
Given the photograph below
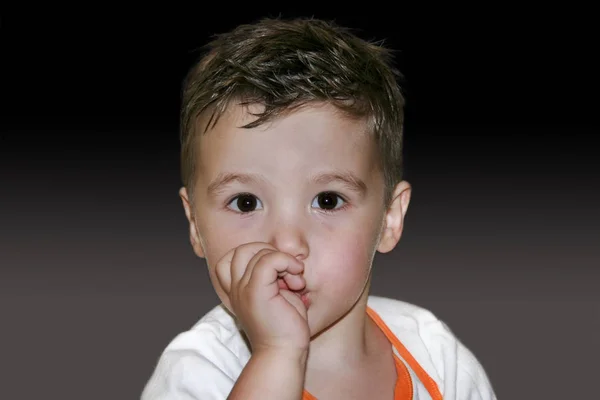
x,y
247,273
294,282
223,269
296,302
272,266
243,257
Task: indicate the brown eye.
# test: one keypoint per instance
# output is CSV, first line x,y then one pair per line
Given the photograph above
x,y
327,201
244,203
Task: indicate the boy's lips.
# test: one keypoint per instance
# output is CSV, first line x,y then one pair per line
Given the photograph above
x,y
304,297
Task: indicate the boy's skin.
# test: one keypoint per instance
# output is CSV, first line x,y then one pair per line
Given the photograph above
x,y
290,244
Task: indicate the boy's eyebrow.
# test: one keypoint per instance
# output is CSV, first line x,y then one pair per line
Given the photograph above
x,y
224,179
351,181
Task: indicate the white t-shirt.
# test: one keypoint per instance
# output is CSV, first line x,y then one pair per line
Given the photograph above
x,y
204,362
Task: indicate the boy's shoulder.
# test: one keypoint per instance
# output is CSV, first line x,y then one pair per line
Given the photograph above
x,y
212,351
417,329
407,320
453,366
216,335
425,336
389,308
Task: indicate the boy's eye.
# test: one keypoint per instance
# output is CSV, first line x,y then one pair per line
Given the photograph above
x,y
327,201
245,203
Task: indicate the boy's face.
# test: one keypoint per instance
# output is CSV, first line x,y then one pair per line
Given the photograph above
x,y
290,175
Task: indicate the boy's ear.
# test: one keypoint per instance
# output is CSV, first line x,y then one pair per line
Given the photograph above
x,y
394,218
194,235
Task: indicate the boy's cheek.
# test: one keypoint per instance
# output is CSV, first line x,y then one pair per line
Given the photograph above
x,y
341,266
221,237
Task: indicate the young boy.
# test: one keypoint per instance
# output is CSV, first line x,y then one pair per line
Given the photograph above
x,y
292,171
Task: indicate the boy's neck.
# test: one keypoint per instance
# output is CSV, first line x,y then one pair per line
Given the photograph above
x,y
348,343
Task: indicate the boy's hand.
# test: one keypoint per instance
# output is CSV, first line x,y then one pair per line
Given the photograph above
x,y
255,276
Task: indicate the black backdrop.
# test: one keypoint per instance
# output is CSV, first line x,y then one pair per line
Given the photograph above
x,y
501,238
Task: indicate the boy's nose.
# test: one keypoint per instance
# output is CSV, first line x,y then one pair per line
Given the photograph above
x,y
290,240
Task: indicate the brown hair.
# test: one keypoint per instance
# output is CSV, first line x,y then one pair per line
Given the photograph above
x,y
285,64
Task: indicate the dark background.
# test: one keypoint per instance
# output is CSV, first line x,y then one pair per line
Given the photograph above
x,y
501,239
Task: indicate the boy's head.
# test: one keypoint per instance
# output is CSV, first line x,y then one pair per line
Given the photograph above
x,y
283,65
291,135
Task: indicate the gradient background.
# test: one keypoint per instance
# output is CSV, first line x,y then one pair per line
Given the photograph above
x,y
501,238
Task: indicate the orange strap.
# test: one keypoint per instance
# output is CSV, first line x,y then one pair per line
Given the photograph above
x,y
404,387
427,381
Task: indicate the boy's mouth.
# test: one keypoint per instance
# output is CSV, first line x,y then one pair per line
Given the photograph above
x,y
304,297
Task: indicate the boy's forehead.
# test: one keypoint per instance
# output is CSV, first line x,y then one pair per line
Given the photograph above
x,y
313,136
236,115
